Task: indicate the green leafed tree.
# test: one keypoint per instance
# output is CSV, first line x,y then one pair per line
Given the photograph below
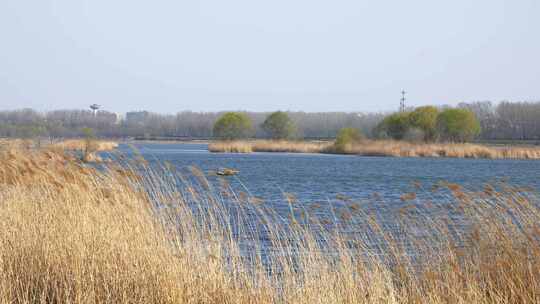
x,y
278,125
425,120
233,125
394,126
458,125
346,137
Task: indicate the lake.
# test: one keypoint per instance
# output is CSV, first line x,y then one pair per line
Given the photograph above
x,y
322,177
334,183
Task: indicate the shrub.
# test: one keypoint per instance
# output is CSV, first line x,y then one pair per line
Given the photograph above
x,y
278,125
394,126
458,125
89,141
347,137
233,125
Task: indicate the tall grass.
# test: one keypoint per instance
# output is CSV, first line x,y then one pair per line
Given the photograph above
x,y
82,144
382,148
137,234
453,150
268,146
68,144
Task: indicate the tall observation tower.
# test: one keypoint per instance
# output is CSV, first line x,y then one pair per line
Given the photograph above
x,y
95,108
402,101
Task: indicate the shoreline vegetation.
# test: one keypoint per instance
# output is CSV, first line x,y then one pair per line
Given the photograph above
x,y
88,148
72,233
95,145
425,131
388,148
82,144
246,146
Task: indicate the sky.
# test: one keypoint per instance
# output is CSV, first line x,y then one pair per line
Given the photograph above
x,y
301,55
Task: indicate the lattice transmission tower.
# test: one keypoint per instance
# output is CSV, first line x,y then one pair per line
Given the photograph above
x,y
402,101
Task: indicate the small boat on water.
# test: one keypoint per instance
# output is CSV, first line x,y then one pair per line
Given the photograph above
x,y
227,172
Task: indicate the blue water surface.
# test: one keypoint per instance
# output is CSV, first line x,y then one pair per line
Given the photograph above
x,y
323,177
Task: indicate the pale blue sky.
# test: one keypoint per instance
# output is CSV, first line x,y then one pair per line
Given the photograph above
x,y
311,55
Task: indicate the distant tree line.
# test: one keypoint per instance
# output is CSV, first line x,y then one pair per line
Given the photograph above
x,y
505,120
28,123
502,121
430,124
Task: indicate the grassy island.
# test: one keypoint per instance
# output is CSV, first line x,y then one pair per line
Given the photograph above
x,y
389,148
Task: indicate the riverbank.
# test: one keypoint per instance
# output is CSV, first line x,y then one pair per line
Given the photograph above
x,y
386,148
74,234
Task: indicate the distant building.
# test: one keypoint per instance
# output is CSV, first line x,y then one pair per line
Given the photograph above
x,y
119,118
138,117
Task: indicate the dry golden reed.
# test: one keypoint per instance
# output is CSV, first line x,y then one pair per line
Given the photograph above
x,y
130,234
80,144
381,148
268,146
68,144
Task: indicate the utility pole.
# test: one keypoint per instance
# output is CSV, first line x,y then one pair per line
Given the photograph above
x,y
402,102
